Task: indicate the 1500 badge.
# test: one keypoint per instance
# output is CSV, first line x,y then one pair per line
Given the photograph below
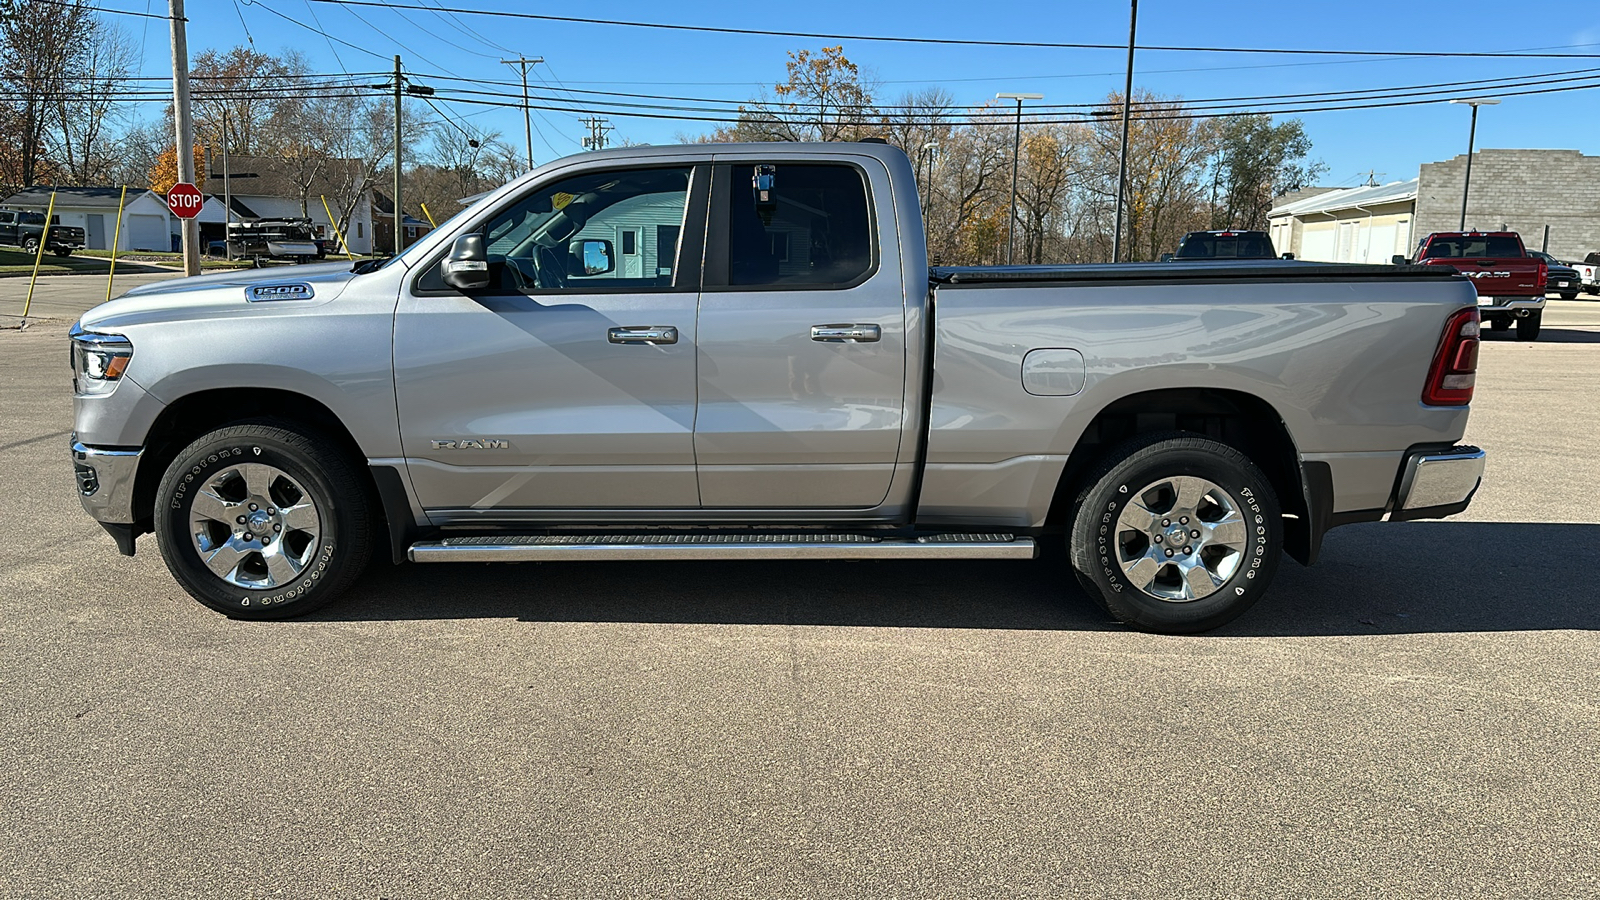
x,y
472,444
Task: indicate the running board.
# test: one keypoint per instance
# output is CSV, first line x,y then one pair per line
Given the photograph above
x,y
574,548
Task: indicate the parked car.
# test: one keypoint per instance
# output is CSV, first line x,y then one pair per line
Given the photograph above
x,y
1589,273
1562,278
1510,282
22,228
727,352
1204,245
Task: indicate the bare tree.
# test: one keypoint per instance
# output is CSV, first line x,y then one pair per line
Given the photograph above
x,y
41,46
825,98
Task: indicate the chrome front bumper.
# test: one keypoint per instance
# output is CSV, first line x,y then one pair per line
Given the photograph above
x,y
1438,483
105,481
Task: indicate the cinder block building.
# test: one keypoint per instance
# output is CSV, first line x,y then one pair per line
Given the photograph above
x,y
1525,191
1517,190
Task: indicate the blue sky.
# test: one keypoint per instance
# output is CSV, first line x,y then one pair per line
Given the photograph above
x,y
1391,141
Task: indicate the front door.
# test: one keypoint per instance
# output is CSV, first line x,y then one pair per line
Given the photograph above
x,y
569,383
802,340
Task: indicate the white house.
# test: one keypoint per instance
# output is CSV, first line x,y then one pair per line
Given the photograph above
x,y
146,222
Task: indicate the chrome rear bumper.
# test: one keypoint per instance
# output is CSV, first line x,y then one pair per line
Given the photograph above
x,y
1437,483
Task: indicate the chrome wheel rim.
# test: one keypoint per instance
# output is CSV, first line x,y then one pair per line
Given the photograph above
x,y
1179,539
254,526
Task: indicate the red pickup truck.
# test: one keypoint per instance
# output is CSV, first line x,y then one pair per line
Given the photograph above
x,y
1510,282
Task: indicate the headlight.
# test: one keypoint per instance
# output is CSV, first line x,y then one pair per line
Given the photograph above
x,y
98,361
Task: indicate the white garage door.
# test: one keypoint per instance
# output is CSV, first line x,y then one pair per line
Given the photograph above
x,y
1380,244
148,233
1317,245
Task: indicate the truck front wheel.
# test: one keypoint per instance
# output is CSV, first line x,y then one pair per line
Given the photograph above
x,y
62,252
1528,327
1176,534
263,520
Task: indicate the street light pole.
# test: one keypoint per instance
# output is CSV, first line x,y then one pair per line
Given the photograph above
x,y
1127,107
1472,136
927,186
1016,153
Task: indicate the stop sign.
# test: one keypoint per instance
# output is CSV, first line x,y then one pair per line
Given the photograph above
x,y
185,200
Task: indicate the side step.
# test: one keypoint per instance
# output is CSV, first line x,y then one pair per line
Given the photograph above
x,y
562,547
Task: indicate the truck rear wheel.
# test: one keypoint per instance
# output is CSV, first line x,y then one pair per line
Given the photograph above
x,y
31,246
263,520
1176,534
1528,328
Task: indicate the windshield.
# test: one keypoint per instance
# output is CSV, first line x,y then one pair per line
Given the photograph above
x,y
1227,245
443,226
1498,246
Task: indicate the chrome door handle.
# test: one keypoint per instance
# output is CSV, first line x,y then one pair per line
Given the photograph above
x,y
643,334
846,334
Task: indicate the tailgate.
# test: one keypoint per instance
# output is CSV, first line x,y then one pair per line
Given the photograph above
x,y
1502,277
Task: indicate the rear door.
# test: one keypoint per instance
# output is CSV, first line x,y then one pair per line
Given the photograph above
x,y
569,383
801,337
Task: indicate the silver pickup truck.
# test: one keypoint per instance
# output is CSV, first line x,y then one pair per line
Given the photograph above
x,y
740,352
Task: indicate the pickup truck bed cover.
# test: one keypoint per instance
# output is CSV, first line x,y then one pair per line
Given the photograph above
x,y
1180,272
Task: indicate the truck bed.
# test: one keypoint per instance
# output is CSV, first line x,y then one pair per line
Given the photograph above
x,y
1243,270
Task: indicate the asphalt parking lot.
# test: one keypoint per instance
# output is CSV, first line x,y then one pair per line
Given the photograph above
x,y
1419,715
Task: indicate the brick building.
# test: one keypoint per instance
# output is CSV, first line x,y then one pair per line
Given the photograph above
x,y
1517,190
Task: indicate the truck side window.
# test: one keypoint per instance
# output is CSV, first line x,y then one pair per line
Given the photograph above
x,y
794,224
614,230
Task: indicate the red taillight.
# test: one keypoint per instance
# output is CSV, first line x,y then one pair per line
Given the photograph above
x,y
1454,372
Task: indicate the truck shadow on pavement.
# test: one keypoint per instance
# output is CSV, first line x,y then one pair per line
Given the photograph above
x,y
1549,336
1419,577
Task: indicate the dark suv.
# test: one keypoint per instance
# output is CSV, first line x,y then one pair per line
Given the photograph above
x,y
1563,279
1198,245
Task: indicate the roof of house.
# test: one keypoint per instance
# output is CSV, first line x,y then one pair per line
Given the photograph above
x,y
1349,198
96,197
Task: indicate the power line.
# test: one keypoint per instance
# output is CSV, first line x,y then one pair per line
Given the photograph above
x,y
900,39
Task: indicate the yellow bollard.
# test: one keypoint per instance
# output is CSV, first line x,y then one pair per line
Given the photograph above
x,y
425,212
112,272
335,227
44,238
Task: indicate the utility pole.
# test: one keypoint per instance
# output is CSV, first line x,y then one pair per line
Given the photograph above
x,y
1127,109
597,133
400,89
1016,153
527,121
399,214
182,117
227,192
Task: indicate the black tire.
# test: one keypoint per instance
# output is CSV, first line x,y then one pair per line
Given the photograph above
x,y
313,469
62,252
1140,465
1569,295
31,246
1528,328
1499,323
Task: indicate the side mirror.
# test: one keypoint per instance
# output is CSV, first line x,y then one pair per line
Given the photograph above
x,y
1166,257
1288,256
1398,260
467,266
591,257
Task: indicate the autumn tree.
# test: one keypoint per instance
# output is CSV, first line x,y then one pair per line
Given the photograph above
x,y
242,96
1165,196
41,48
1255,162
824,98
164,174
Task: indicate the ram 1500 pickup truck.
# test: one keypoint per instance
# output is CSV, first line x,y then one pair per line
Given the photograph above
x,y
1510,282
21,228
740,352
